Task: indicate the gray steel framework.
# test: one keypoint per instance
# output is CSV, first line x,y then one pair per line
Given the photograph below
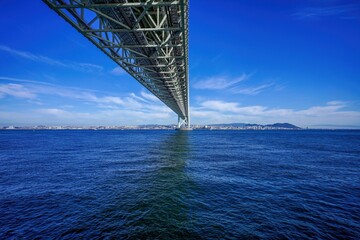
x,y
148,39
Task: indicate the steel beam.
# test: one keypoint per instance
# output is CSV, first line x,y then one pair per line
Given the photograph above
x,y
148,39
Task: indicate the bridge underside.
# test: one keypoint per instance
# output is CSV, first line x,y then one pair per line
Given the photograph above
x,y
148,39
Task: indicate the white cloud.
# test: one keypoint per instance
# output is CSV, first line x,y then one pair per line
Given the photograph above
x,y
149,96
118,71
60,116
220,106
343,11
139,115
232,107
251,90
111,99
133,95
321,110
53,111
333,113
31,89
106,108
232,85
16,90
110,109
220,82
85,67
336,103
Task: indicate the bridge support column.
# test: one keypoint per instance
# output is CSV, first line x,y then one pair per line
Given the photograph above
x,y
183,124
179,122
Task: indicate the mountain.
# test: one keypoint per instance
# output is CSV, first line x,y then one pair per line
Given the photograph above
x,y
283,125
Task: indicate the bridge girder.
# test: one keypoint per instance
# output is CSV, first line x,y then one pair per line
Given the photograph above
x,y
147,38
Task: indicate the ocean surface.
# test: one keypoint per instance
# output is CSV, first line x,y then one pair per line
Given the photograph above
x,y
179,185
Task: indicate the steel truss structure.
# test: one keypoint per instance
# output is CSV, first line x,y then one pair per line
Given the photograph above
x,y
148,39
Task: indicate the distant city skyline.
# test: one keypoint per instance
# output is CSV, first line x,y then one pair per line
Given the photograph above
x,y
250,62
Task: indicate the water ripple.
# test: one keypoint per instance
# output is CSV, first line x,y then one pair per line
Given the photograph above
x,y
173,185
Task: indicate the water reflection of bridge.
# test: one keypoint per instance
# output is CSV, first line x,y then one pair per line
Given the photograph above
x,y
166,200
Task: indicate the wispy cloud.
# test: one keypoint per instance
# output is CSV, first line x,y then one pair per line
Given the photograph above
x,y
220,82
37,90
85,67
337,103
16,90
232,85
232,107
254,90
61,116
52,111
118,71
108,108
344,11
149,96
103,108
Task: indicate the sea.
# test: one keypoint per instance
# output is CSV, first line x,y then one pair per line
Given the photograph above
x,y
159,184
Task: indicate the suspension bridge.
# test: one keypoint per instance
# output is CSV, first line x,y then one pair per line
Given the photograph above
x,y
148,39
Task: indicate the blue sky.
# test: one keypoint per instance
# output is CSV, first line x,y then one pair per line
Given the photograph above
x,y
250,61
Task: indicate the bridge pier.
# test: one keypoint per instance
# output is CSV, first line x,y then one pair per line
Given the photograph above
x,y
183,124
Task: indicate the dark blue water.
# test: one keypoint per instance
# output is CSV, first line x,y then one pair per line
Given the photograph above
x,y
180,185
